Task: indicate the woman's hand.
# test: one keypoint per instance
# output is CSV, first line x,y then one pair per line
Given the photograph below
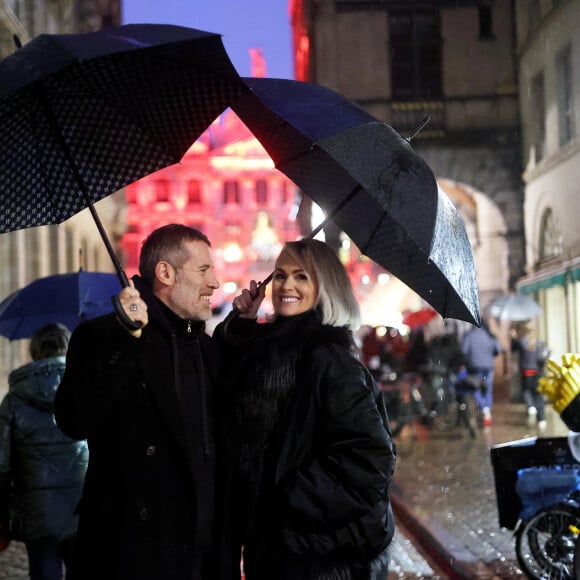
x,y
249,301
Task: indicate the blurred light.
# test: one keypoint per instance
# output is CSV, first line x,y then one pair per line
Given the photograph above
x,y
365,279
240,163
229,287
381,331
233,253
383,278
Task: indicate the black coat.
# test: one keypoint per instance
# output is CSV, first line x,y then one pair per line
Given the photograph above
x,y
41,470
317,459
147,510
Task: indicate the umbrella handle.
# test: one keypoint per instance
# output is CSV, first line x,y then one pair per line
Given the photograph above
x,y
127,322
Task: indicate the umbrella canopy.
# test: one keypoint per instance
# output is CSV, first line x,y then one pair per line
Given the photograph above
x,y
420,317
515,307
83,115
378,190
65,298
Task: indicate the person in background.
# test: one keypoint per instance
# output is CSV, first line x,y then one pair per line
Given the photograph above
x,y
480,347
532,356
143,399
310,489
41,470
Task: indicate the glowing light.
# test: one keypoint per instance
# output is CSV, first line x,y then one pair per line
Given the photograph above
x,y
365,279
381,331
240,164
229,287
233,253
383,278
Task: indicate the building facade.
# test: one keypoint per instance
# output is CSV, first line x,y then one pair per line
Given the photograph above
x,y
227,187
549,63
455,63
37,252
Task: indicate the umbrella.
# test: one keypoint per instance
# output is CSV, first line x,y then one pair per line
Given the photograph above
x,y
83,115
64,298
419,317
376,188
515,307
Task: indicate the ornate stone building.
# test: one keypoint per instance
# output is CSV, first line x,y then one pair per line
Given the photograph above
x,y
403,60
30,254
549,49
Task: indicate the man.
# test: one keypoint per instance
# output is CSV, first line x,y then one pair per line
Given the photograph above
x,y
480,347
142,399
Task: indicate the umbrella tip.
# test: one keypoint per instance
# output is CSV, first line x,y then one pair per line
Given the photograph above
x,y
419,128
17,41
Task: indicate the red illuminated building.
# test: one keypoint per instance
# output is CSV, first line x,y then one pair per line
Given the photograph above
x,y
226,186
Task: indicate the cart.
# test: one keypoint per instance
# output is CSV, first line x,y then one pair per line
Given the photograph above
x,y
536,484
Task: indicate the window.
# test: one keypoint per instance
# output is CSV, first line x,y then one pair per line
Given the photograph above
x,y
194,191
486,23
162,188
261,192
565,96
538,117
231,192
415,53
551,240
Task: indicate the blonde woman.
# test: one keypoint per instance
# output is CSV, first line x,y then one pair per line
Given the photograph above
x,y
312,449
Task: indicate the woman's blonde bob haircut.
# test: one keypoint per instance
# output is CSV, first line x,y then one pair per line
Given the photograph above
x,y
336,300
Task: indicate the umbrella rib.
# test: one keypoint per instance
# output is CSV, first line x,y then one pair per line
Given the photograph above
x,y
335,211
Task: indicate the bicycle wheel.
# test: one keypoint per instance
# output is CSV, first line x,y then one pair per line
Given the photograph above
x,y
545,543
577,560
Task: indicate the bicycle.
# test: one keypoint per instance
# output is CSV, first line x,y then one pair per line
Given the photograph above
x,y
405,407
450,399
547,535
538,495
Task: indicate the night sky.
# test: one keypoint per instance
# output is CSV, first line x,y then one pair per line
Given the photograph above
x,y
244,24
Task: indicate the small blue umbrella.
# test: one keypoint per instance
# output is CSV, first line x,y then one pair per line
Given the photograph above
x,y
65,298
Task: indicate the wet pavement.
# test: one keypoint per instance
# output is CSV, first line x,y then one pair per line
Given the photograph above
x,y
444,494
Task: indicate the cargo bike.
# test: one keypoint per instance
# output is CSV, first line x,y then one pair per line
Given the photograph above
x,y
537,484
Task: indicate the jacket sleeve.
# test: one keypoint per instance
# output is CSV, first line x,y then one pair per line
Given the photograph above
x,y
6,420
338,500
92,378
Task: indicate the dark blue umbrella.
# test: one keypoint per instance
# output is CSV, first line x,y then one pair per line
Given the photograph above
x,y
83,115
371,182
65,298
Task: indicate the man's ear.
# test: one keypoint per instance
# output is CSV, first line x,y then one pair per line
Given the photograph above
x,y
165,273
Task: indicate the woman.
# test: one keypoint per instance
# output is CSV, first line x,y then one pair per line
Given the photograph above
x,y
41,470
310,430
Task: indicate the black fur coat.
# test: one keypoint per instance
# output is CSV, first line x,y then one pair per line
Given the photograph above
x,y
312,451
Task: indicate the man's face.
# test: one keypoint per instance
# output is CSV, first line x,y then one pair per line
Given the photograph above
x,y
190,295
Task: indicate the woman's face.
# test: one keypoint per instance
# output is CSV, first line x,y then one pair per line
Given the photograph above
x,y
294,290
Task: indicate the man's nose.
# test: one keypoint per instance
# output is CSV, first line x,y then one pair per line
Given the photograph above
x,y
213,282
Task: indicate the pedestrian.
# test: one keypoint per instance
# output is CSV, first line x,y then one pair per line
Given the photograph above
x,y
480,347
309,426
143,399
532,356
41,469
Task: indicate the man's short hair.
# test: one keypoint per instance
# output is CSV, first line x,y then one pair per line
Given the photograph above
x,y
166,244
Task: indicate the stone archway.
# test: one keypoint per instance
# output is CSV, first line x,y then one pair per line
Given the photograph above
x,y
486,229
490,169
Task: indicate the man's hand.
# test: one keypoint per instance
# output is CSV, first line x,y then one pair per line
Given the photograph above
x,y
134,307
249,301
